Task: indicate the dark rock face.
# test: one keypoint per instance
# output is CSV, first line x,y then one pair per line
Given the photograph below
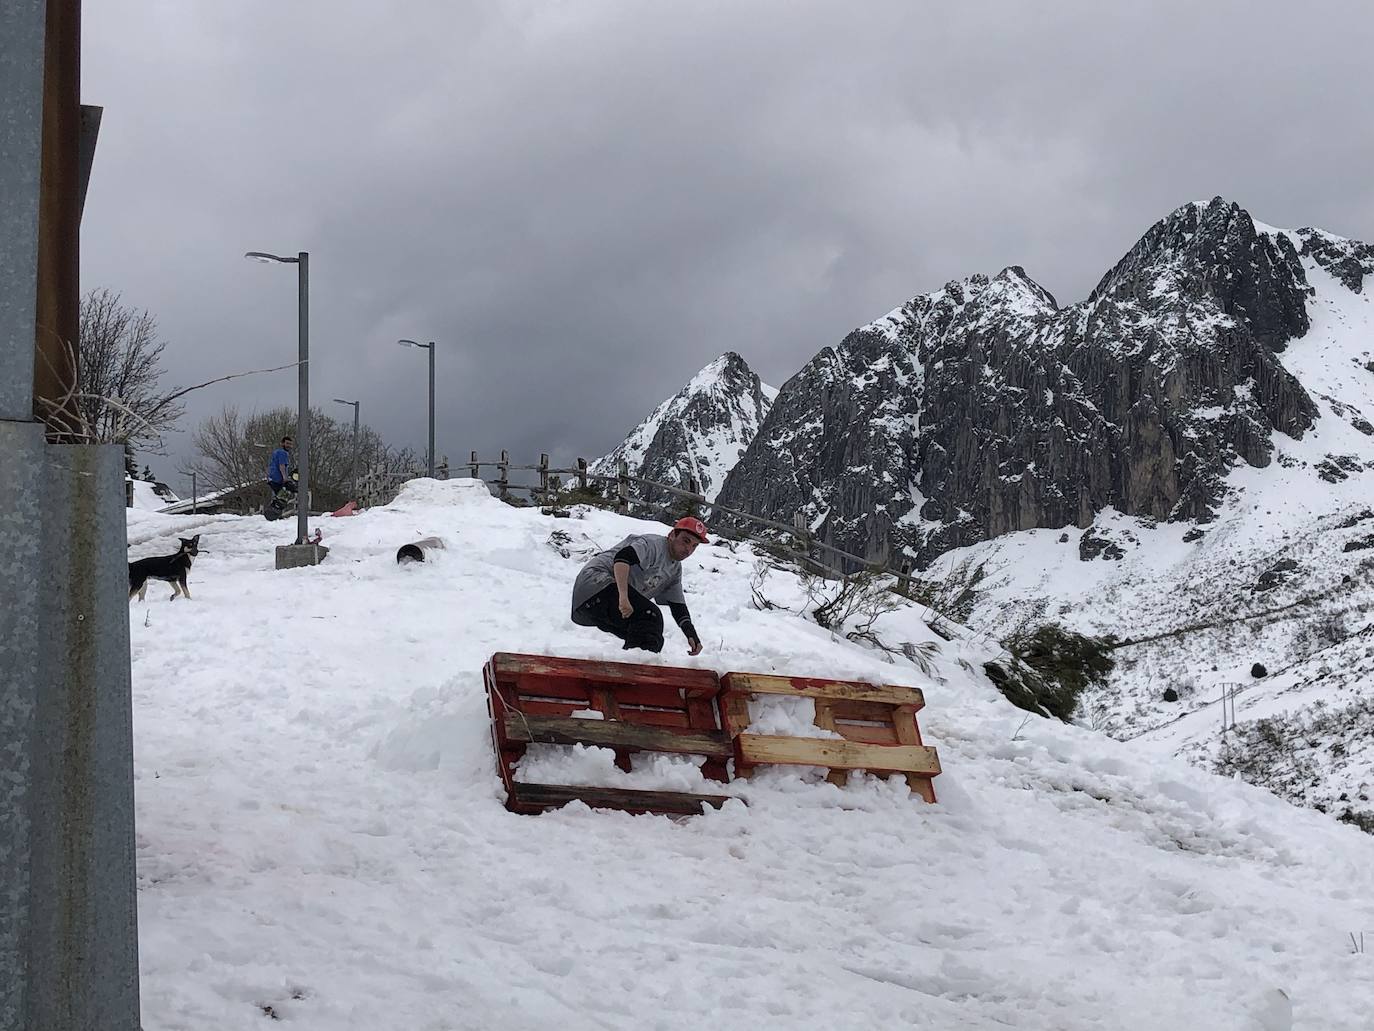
x,y
699,433
985,408
1092,545
1347,260
1274,575
1334,468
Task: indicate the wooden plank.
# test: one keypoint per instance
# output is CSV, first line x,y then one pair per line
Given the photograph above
x,y
874,712
547,796
587,691
808,687
604,701
615,734
646,694
654,717
825,719
700,682
868,734
734,712
756,749
701,714
921,786
542,708
904,722
825,714
628,713
550,687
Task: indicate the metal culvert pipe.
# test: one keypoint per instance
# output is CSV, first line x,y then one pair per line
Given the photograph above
x,y
417,550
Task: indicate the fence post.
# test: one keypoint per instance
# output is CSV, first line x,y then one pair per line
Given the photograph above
x,y
623,484
802,535
904,580
544,478
502,481
476,469
582,475
442,471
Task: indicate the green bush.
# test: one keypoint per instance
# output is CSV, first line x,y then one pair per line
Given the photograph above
x,y
1049,667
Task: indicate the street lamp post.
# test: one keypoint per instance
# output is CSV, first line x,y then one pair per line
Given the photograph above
x,y
302,263
353,466
430,347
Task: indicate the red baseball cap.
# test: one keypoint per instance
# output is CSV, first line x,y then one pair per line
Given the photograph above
x,y
694,526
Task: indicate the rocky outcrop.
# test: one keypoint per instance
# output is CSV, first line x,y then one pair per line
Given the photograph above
x,y
1348,260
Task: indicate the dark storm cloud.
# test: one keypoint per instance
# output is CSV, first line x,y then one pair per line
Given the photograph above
x,y
583,203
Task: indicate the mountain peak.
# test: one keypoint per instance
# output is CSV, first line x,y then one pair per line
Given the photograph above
x,y
700,432
1212,254
729,373
1017,289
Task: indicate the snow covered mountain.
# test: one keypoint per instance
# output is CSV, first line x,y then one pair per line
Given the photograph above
x,y
1282,575
700,432
322,840
985,408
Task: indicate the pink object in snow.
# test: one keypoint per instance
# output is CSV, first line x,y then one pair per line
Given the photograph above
x,y
349,509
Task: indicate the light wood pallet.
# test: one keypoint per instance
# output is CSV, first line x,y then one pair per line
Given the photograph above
x,y
876,723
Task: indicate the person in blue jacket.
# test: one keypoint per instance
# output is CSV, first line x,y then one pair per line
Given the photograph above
x,y
279,477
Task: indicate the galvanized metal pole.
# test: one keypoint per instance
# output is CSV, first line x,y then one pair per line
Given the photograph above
x,y
353,468
21,511
431,409
193,493
68,931
303,402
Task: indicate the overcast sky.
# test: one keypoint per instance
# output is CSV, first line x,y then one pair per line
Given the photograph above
x,y
584,202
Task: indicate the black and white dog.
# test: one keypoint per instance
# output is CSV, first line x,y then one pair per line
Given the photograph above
x,y
171,568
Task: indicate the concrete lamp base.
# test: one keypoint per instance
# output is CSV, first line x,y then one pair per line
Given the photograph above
x,y
293,556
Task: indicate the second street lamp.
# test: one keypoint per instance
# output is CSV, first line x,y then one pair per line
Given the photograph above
x,y
430,347
353,466
302,263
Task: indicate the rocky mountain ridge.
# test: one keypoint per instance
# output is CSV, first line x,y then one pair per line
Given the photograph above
x,y
984,408
698,433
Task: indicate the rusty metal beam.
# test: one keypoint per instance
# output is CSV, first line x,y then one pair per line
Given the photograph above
x,y
57,322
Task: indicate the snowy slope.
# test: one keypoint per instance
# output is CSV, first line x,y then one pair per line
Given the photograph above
x,y
152,497
321,832
1282,577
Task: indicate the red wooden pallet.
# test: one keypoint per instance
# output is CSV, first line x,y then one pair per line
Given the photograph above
x,y
876,722
531,699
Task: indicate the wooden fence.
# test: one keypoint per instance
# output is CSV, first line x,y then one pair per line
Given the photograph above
x,y
804,541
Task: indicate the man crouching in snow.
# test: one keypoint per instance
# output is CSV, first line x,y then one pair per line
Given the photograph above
x,y
617,589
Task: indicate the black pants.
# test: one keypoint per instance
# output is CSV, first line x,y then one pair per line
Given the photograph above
x,y
281,492
644,628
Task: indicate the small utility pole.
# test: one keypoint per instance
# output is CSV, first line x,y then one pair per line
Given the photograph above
x,y
353,465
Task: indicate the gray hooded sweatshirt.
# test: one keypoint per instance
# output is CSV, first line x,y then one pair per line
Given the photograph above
x,y
657,576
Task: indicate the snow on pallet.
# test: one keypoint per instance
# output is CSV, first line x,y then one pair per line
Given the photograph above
x,y
876,723
531,699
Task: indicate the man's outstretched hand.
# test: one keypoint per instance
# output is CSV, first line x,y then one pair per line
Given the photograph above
x,y
694,647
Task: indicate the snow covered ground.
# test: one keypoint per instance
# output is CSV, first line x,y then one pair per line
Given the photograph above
x,y
321,835
148,497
